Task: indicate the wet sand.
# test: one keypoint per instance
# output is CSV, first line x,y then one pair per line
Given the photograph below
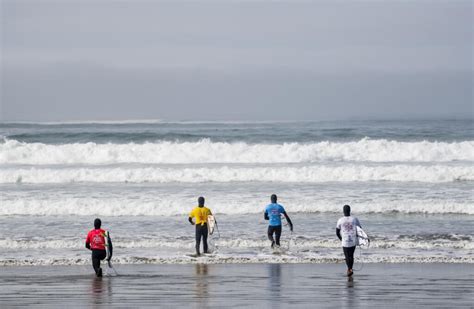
x,y
241,286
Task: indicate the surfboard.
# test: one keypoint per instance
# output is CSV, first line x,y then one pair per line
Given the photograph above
x,y
193,255
108,247
362,238
211,224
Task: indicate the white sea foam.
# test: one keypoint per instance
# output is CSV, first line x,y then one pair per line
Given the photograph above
x,y
229,244
308,174
170,206
239,259
205,151
161,250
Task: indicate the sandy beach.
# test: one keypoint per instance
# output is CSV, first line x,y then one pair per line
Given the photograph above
x,y
241,286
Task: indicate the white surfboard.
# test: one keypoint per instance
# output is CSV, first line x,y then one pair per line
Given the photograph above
x,y
193,255
211,224
362,238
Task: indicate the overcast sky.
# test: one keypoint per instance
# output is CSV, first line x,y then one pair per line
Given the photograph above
x,y
235,60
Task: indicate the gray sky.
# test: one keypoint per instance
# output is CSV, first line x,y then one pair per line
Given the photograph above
x,y
235,60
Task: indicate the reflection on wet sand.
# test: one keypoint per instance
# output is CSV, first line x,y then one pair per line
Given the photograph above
x,y
350,282
202,285
274,284
349,293
101,291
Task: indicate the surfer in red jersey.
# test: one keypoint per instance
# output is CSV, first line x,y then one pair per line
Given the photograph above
x,y
96,242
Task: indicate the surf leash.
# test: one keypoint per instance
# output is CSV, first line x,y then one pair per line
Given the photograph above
x,y
217,239
362,248
289,241
112,267
292,238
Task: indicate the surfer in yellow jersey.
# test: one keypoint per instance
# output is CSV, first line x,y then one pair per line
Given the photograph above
x,y
200,213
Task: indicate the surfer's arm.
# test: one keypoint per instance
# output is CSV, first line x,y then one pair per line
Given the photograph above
x,y
289,220
338,233
265,215
191,216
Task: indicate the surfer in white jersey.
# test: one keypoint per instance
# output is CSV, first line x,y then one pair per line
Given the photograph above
x,y
346,231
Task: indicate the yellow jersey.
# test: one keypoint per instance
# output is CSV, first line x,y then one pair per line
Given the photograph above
x,y
201,214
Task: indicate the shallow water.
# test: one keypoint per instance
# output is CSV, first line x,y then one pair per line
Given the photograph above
x,y
240,239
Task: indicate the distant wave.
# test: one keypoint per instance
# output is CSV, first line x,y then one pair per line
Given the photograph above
x,y
437,173
205,151
171,206
74,122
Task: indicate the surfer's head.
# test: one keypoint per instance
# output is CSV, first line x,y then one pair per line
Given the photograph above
x,y
201,201
97,223
273,198
347,210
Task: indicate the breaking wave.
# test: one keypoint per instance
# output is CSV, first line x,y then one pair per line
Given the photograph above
x,y
206,151
438,173
302,244
171,206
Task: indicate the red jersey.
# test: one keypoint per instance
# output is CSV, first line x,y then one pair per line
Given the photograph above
x,y
96,238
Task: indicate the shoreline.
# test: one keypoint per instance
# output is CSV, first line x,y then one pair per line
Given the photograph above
x,y
138,261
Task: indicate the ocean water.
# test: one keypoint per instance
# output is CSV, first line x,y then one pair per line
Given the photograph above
x,y
409,182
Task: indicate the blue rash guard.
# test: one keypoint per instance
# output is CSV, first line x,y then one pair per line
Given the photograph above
x,y
274,212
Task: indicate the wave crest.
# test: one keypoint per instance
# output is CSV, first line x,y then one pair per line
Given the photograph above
x,y
170,207
206,151
223,174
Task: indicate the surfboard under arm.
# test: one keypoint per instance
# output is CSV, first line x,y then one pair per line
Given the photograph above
x,y
362,237
211,224
361,233
109,248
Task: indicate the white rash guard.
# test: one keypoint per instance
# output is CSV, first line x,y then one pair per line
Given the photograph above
x,y
348,227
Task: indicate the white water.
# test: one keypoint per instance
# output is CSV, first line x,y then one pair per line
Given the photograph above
x,y
176,205
251,244
205,151
191,174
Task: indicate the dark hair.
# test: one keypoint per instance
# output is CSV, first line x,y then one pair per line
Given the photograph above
x,y
201,201
273,198
347,210
97,223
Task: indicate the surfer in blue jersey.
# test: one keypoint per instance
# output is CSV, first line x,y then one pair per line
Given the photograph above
x,y
346,231
273,214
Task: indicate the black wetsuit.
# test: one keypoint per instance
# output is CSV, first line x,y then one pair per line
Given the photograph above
x,y
274,230
348,251
201,231
97,256
349,254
